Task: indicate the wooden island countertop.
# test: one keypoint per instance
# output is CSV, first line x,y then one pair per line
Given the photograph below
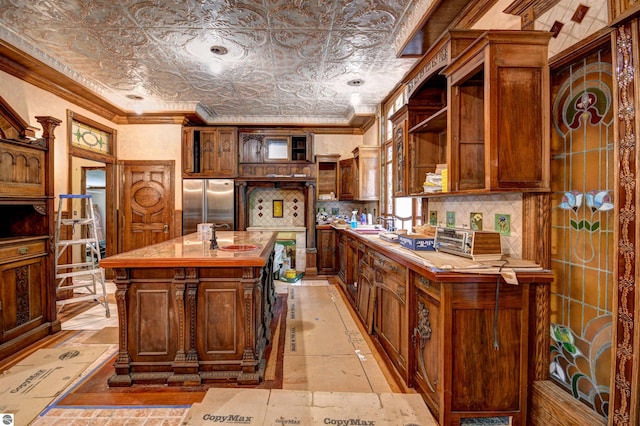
x,y
192,251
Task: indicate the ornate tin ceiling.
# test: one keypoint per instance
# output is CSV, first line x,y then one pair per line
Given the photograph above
x,y
286,61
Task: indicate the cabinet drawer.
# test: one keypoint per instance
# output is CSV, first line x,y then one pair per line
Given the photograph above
x,y
17,250
426,285
390,268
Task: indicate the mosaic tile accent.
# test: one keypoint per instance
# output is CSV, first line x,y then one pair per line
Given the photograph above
x,y
487,206
261,207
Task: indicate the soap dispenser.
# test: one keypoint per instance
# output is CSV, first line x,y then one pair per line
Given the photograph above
x,y
354,219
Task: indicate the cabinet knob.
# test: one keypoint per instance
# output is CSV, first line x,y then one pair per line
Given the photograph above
x,y
23,250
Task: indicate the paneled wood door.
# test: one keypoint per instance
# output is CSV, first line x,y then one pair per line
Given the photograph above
x,y
146,203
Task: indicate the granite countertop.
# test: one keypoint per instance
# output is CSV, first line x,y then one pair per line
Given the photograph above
x,y
193,251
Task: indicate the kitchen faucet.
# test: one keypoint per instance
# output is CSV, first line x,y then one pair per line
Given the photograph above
x,y
385,221
214,238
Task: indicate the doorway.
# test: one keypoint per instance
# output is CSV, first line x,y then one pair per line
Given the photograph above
x,y
92,170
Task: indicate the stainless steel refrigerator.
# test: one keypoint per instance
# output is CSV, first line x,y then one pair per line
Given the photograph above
x,y
207,201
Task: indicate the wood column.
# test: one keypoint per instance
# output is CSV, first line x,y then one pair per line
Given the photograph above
x,y
625,382
311,264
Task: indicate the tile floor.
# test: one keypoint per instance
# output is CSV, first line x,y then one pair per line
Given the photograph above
x,y
327,363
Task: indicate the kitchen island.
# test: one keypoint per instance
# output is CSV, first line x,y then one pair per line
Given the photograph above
x,y
189,314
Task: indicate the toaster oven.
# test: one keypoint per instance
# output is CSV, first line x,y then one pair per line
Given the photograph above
x,y
476,245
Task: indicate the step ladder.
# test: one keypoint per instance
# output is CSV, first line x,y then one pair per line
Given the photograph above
x,y
84,273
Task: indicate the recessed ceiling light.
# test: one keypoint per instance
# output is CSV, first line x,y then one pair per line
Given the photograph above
x,y
355,82
218,50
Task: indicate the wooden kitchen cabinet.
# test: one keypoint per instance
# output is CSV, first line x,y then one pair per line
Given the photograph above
x,y
342,258
23,271
367,160
436,329
461,349
419,140
420,127
360,175
352,270
391,323
426,335
327,173
27,265
400,122
250,147
210,152
275,153
498,104
366,293
347,169
327,250
266,145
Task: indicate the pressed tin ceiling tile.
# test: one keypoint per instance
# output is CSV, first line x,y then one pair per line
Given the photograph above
x,y
286,60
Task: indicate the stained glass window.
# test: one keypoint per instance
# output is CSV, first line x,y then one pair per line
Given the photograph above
x,y
89,138
582,164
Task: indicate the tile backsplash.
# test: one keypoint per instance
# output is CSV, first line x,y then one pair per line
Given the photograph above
x,y
261,207
346,207
497,212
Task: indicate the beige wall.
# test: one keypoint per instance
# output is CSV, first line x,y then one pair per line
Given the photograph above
x,y
336,144
372,136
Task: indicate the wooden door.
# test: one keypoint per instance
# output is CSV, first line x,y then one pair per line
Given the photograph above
x,y
146,203
347,179
227,153
326,251
251,148
400,136
208,152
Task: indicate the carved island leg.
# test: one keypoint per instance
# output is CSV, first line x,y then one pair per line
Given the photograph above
x,y
185,364
249,363
122,375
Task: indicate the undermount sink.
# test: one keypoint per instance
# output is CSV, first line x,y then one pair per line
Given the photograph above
x,y
239,247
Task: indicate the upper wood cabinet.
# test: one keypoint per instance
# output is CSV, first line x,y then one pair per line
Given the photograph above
x,y
420,126
347,170
498,104
251,146
367,161
327,175
275,146
419,140
399,142
210,152
360,175
480,105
